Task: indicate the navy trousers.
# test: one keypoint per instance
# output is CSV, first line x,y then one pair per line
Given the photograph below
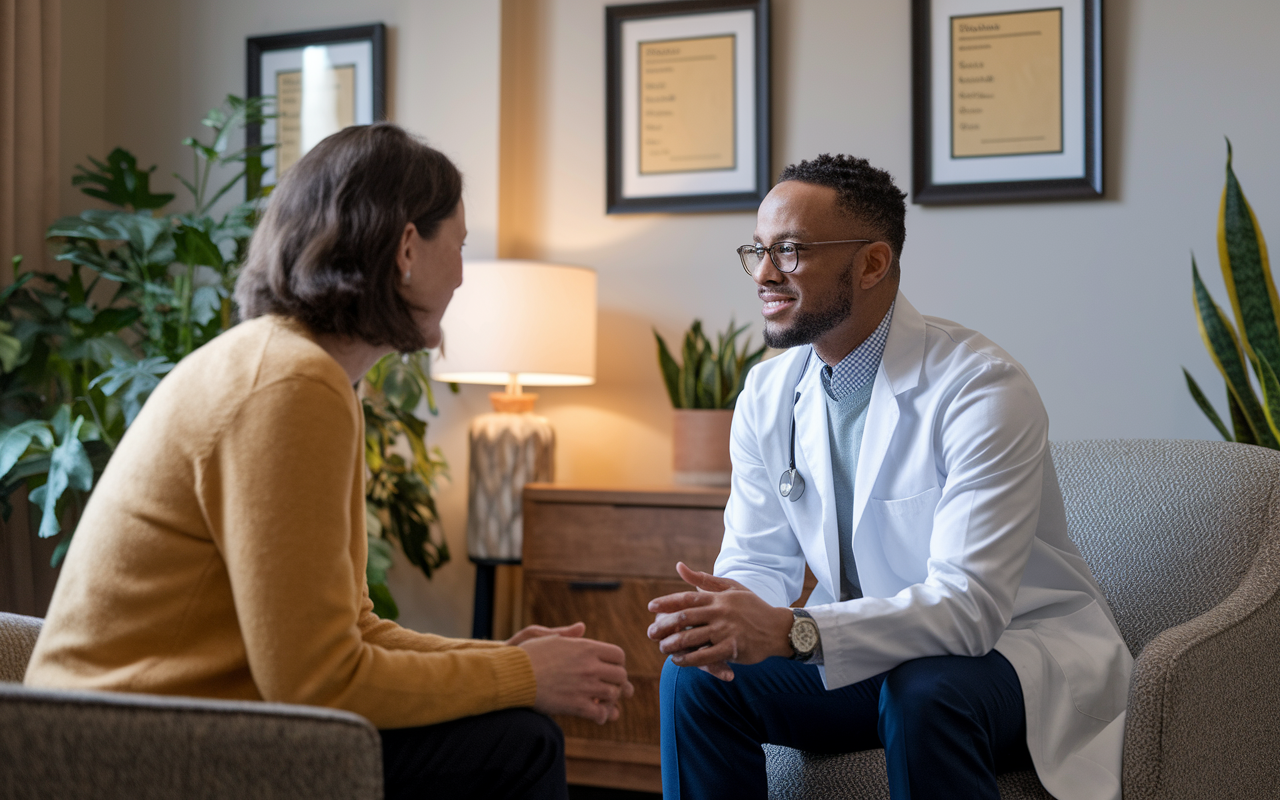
x,y
948,724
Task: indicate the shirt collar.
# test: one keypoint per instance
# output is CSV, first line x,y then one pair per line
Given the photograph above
x,y
858,368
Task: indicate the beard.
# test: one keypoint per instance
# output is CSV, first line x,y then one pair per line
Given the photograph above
x,y
808,326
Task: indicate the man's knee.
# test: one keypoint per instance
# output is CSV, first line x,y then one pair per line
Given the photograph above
x,y
921,691
684,688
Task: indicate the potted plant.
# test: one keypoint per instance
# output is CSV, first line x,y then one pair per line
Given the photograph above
x,y
703,390
1255,337
81,351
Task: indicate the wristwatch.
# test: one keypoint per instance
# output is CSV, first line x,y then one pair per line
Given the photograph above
x,y
804,636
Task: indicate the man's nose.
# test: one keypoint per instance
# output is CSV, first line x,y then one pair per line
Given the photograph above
x,y
767,272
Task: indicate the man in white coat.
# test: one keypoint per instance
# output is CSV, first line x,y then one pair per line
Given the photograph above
x,y
905,459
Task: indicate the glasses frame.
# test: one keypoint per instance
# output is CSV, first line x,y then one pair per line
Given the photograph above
x,y
773,259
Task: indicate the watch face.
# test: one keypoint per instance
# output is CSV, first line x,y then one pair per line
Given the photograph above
x,y
804,636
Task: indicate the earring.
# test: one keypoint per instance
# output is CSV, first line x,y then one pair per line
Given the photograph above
x,y
408,276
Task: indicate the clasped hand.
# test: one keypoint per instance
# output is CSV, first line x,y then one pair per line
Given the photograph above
x,y
723,622
575,675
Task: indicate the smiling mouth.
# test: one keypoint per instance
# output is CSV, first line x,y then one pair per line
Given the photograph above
x,y
770,307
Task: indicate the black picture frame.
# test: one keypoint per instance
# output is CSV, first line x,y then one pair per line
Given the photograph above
x,y
927,190
259,46
755,167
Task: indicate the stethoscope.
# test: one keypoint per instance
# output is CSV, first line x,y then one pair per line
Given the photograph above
x,y
791,484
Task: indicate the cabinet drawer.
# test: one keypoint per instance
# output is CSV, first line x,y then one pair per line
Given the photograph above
x,y
619,540
614,611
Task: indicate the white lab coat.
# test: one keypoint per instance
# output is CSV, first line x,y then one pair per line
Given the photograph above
x,y
960,537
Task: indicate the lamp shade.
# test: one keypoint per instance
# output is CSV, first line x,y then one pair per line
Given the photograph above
x,y
534,320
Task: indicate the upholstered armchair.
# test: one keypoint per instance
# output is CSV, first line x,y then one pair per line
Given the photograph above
x,y
1184,537
63,744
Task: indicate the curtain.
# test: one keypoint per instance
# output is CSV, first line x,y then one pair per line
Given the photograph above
x,y
30,66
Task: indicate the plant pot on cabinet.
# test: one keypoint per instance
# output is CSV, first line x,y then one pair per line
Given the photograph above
x,y
701,452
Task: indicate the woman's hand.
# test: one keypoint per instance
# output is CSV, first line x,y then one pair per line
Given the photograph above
x,y
535,631
577,676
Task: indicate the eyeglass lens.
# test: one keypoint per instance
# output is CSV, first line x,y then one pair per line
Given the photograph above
x,y
785,256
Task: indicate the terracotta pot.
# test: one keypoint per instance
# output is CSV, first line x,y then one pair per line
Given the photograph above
x,y
701,439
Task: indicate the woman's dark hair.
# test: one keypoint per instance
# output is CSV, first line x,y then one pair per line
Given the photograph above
x,y
325,251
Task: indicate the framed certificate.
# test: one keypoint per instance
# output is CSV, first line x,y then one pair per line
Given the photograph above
x,y
687,101
322,81
1007,100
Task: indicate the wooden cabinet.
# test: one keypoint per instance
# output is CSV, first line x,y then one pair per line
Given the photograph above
x,y
600,556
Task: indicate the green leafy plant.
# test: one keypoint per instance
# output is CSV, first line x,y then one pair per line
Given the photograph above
x,y
709,377
81,350
400,494
1255,337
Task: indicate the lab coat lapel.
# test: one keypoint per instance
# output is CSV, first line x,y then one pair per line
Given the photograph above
x,y
899,371
813,448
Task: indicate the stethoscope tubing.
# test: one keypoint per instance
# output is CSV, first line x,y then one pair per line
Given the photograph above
x,y
791,484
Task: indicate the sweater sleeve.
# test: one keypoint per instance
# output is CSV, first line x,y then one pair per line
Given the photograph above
x,y
385,633
277,490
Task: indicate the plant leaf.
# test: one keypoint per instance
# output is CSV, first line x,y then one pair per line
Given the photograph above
x,y
1270,393
15,441
670,370
69,468
1220,339
1242,252
119,182
1239,423
137,378
1205,406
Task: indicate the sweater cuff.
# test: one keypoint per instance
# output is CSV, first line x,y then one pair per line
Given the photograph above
x,y
513,677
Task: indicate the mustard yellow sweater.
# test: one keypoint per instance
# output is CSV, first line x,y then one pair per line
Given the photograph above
x,y
222,554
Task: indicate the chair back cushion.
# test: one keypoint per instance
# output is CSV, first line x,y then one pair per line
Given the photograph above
x,y
1169,527
17,640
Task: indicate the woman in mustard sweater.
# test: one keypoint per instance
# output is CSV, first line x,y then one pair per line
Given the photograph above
x,y
223,552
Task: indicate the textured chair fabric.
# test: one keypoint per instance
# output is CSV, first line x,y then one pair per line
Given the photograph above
x,y
17,640
1184,538
64,744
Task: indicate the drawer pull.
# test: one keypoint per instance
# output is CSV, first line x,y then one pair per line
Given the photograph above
x,y
595,586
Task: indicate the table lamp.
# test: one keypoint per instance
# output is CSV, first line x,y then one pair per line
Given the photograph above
x,y
513,323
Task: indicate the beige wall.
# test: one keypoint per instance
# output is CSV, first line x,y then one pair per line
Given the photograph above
x,y
1093,297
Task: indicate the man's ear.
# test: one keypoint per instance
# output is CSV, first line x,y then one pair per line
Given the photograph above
x,y
877,262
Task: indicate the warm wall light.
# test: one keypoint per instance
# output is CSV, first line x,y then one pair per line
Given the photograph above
x,y
513,324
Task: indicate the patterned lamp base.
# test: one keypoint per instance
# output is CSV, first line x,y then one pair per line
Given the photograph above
x,y
508,450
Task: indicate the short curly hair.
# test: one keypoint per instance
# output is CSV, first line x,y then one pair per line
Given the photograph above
x,y
864,191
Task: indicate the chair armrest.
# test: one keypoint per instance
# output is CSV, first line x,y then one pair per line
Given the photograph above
x,y
1204,699
69,744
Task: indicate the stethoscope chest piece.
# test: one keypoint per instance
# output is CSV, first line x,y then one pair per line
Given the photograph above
x,y
791,485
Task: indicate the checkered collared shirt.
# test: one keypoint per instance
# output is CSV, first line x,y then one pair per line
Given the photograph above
x,y
858,368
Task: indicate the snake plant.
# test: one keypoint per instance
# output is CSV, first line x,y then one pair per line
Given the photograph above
x,y
1254,338
710,377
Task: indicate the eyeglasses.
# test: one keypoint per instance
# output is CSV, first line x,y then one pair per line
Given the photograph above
x,y
785,255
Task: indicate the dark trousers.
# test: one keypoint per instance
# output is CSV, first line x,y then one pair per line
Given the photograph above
x,y
517,753
948,724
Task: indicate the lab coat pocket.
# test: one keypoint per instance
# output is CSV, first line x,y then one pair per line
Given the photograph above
x,y
904,528
1087,649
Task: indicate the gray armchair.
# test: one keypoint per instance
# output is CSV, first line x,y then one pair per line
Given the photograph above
x,y
1184,537
63,744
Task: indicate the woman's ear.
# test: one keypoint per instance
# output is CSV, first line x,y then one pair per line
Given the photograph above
x,y
405,253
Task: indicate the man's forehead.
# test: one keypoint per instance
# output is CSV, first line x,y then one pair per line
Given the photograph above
x,y
798,210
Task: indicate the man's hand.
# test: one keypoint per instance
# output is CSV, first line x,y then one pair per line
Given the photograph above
x,y
534,631
577,676
723,622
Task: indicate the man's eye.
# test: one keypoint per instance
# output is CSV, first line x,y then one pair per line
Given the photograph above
x,y
785,248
